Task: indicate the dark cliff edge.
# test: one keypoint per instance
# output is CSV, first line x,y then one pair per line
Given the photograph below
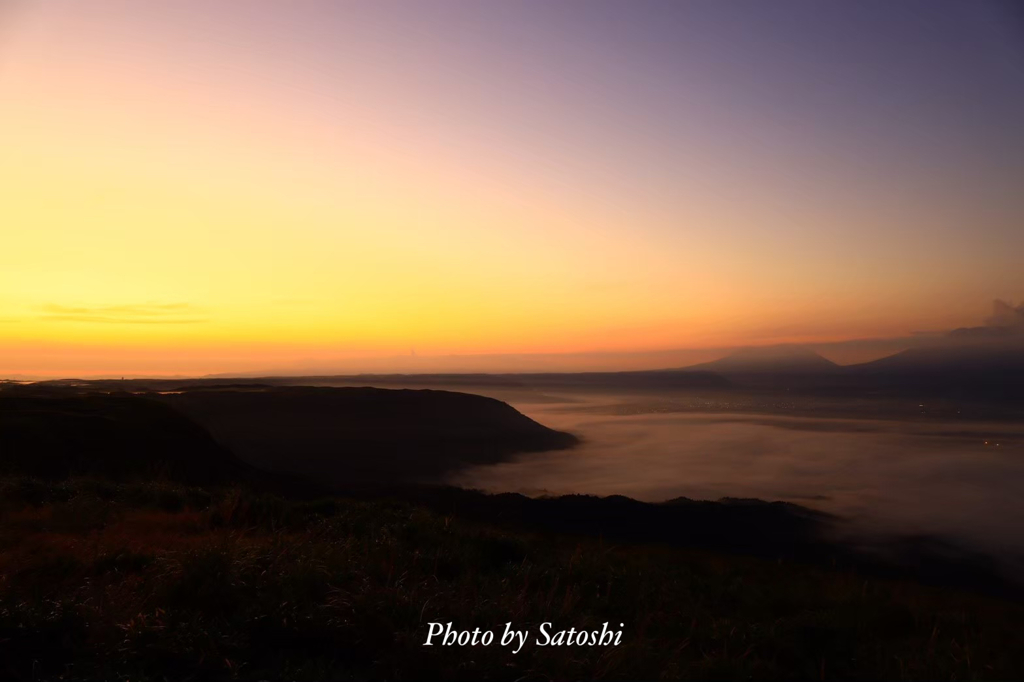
x,y
337,437
112,436
345,437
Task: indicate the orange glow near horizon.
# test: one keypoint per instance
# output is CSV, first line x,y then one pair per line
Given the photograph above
x,y
173,203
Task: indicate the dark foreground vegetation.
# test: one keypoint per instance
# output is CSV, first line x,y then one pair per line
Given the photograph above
x,y
158,581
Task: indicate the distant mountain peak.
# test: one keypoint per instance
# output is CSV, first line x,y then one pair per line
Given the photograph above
x,y
780,358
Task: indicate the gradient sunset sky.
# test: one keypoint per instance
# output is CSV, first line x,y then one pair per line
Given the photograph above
x,y
195,186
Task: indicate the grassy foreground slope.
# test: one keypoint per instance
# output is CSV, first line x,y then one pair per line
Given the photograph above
x,y
152,581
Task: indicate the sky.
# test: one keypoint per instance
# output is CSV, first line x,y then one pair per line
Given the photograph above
x,y
197,187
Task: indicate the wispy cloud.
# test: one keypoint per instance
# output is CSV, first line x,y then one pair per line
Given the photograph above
x,y
136,313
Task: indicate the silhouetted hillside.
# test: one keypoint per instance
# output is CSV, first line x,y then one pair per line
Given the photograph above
x,y
334,436
358,435
117,436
